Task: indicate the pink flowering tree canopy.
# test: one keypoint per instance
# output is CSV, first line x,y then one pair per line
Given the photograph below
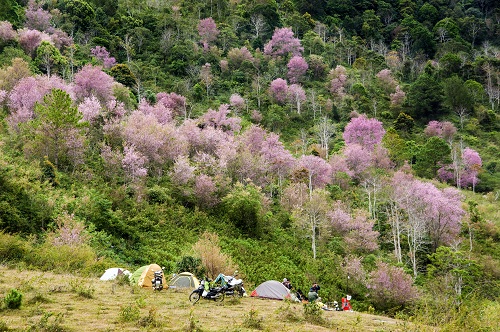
x,y
391,287
297,68
103,56
6,31
207,29
91,80
364,131
278,90
283,43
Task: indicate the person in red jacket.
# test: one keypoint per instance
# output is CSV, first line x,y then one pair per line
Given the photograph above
x,y
346,304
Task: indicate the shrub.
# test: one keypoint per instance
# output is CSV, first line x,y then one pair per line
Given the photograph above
x,y
314,314
85,291
13,299
63,259
12,248
151,320
49,326
253,321
129,313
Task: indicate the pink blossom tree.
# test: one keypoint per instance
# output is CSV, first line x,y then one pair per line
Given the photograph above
x,y
90,109
205,191
297,68
386,79
361,237
207,29
91,80
220,120
133,163
7,33
173,101
103,56
390,287
237,102
318,171
156,142
446,130
398,97
182,172
278,90
162,113
279,160
36,17
283,43
338,82
472,164
364,131
30,39
27,92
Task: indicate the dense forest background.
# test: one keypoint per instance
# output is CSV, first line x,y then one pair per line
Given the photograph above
x,y
350,143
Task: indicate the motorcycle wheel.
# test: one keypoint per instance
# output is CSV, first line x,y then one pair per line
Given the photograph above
x,y
219,297
194,297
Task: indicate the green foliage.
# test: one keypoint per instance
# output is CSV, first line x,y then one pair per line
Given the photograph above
x,y
45,324
13,299
122,74
82,290
151,320
12,248
190,264
243,206
313,313
253,321
64,258
129,313
431,156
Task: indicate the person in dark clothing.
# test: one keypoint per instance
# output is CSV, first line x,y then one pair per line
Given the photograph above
x,y
287,283
313,293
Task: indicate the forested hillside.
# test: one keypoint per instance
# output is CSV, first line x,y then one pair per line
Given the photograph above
x,y
350,143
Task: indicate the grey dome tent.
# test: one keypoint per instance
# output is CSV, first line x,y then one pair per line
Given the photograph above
x,y
272,289
184,280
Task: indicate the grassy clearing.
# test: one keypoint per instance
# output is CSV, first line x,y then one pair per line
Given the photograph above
x,y
56,302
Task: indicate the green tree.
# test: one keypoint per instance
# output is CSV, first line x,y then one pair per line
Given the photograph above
x,y
56,131
458,97
48,58
244,207
431,156
452,273
122,74
80,13
425,95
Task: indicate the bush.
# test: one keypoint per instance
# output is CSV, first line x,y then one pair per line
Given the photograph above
x,y
12,248
63,259
252,320
129,313
13,299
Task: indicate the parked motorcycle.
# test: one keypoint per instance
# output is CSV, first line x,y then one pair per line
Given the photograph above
x,y
216,294
234,286
157,281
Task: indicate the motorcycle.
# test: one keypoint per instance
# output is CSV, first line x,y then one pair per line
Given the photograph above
x,y
216,294
157,281
234,286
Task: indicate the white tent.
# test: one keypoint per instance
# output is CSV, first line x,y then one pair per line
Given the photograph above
x,y
272,289
112,273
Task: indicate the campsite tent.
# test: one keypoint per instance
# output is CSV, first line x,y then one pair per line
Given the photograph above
x,y
112,273
142,276
184,280
272,289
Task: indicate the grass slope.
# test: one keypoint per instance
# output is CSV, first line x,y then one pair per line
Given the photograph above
x,y
53,302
